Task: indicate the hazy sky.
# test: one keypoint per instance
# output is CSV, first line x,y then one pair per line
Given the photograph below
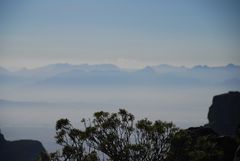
x,y
129,33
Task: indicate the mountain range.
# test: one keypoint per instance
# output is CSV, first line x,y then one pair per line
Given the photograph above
x,y
110,75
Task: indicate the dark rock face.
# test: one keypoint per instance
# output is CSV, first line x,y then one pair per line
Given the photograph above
x,y
184,146
21,150
225,143
224,113
228,145
196,132
237,154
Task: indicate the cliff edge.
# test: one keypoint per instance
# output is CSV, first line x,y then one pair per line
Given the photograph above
x,y
20,150
224,113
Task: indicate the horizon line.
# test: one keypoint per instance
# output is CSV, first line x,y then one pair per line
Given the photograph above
x,y
11,68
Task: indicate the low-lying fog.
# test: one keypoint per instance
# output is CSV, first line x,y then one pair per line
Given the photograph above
x,y
32,113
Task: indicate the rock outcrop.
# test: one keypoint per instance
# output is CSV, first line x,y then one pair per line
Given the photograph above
x,y
226,144
224,113
21,150
196,142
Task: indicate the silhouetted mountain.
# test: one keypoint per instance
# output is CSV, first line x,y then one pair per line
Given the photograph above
x,y
21,150
224,113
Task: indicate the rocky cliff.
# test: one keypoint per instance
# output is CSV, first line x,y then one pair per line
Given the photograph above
x,y
224,113
21,150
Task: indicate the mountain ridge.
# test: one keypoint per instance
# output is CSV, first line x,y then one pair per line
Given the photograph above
x,y
64,74
62,65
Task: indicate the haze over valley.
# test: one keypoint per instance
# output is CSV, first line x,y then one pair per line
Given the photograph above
x,y
161,60
36,98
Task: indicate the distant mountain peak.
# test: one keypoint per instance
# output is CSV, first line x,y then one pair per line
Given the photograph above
x,y
200,67
3,70
148,69
232,66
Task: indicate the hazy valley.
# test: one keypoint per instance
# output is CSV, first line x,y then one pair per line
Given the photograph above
x,y
36,98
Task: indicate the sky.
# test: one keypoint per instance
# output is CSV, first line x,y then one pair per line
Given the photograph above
x,y
128,33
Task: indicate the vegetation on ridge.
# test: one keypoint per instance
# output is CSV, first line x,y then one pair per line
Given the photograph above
x,y
116,137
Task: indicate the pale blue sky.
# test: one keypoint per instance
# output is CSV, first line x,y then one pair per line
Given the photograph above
x,y
129,33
